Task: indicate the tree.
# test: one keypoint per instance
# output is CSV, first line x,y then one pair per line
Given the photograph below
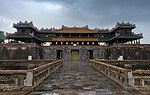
x,y
2,36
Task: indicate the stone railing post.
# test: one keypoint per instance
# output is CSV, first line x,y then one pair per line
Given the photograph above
x,y
29,78
129,80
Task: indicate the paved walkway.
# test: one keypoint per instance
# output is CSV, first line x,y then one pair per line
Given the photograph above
x,y
78,78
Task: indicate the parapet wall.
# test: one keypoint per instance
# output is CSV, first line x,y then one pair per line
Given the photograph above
x,y
21,64
132,64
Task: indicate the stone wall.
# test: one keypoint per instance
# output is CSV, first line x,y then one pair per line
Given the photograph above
x,y
49,53
19,51
129,52
83,54
66,54
22,51
21,64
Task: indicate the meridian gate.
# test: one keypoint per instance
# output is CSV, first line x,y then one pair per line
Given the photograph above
x,y
75,44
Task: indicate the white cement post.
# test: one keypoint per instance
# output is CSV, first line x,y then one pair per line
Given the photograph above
x,y
29,79
142,81
16,82
130,79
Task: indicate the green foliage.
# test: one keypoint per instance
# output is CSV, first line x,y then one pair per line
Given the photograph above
x,y
2,36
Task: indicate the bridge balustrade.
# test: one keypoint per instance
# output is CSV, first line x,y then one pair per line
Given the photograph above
x,y
128,78
39,74
120,75
141,78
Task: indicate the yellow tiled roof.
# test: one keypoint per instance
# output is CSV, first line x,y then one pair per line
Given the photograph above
x,y
75,30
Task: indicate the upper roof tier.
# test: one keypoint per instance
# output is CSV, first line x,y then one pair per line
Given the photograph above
x,y
65,29
25,25
74,30
124,25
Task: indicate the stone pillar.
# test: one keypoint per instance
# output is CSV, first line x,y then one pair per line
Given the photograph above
x,y
142,82
66,54
83,54
29,79
88,35
95,54
130,79
16,82
101,54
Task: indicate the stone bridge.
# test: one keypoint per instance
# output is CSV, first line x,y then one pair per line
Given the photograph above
x,y
81,78
77,77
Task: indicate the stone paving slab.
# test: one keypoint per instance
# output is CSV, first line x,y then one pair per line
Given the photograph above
x,y
78,78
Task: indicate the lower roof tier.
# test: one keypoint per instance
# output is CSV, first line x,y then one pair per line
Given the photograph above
x,y
117,38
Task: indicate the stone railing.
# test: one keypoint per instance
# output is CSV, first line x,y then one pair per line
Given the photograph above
x,y
12,79
141,79
117,74
38,75
126,77
31,77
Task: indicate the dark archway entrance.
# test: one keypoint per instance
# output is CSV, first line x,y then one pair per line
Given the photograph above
x,y
90,54
59,54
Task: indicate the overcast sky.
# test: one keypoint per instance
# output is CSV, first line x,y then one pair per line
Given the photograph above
x,y
94,13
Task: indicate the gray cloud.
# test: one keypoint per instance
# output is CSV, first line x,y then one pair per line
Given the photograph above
x,y
95,13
